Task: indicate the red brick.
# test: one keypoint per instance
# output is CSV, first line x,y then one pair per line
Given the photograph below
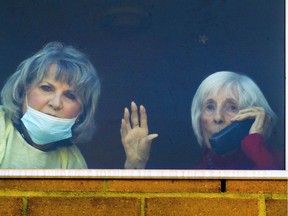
x,y
10,206
165,186
51,184
276,207
83,206
201,206
256,186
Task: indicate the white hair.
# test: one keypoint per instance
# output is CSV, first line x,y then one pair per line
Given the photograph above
x,y
248,91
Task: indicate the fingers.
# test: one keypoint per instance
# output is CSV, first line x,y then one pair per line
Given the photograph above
x,y
261,120
125,123
143,117
252,112
134,115
123,130
127,119
135,119
151,137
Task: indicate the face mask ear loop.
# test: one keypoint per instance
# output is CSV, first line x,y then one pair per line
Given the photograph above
x,y
27,106
26,99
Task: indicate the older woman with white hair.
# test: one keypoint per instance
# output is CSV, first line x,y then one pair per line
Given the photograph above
x,y
225,97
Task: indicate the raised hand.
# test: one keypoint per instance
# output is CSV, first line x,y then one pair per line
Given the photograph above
x,y
261,123
135,137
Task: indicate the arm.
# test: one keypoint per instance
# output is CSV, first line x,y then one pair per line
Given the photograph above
x,y
261,123
135,137
254,146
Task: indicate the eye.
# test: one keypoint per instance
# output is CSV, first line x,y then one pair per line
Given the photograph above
x,y
209,108
70,95
232,108
46,88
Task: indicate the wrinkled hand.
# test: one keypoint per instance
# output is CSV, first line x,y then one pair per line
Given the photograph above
x,y
261,123
135,137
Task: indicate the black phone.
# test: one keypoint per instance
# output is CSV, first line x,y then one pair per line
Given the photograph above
x,y
229,138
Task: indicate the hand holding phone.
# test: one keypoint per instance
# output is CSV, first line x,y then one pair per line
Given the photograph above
x,y
229,138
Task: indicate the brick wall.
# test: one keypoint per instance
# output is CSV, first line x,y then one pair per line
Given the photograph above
x,y
142,197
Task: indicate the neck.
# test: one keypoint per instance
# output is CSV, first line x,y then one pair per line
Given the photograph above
x,y
45,147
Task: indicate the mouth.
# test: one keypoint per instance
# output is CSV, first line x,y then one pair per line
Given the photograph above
x,y
51,114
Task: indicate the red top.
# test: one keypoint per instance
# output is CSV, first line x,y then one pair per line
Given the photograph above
x,y
254,155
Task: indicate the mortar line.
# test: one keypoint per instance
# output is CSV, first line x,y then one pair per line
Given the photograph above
x,y
105,185
134,194
24,206
143,206
261,206
276,196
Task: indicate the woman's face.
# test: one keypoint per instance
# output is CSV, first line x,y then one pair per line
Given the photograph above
x,y
53,97
217,112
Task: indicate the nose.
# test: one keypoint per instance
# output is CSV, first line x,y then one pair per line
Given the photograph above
x,y
55,102
219,117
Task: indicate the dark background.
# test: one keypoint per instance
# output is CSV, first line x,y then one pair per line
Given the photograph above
x,y
155,52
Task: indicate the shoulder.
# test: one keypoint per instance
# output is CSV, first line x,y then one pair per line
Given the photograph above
x,y
2,113
3,117
2,122
5,123
6,127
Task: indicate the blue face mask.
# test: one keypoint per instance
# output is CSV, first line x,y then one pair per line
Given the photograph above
x,y
44,129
